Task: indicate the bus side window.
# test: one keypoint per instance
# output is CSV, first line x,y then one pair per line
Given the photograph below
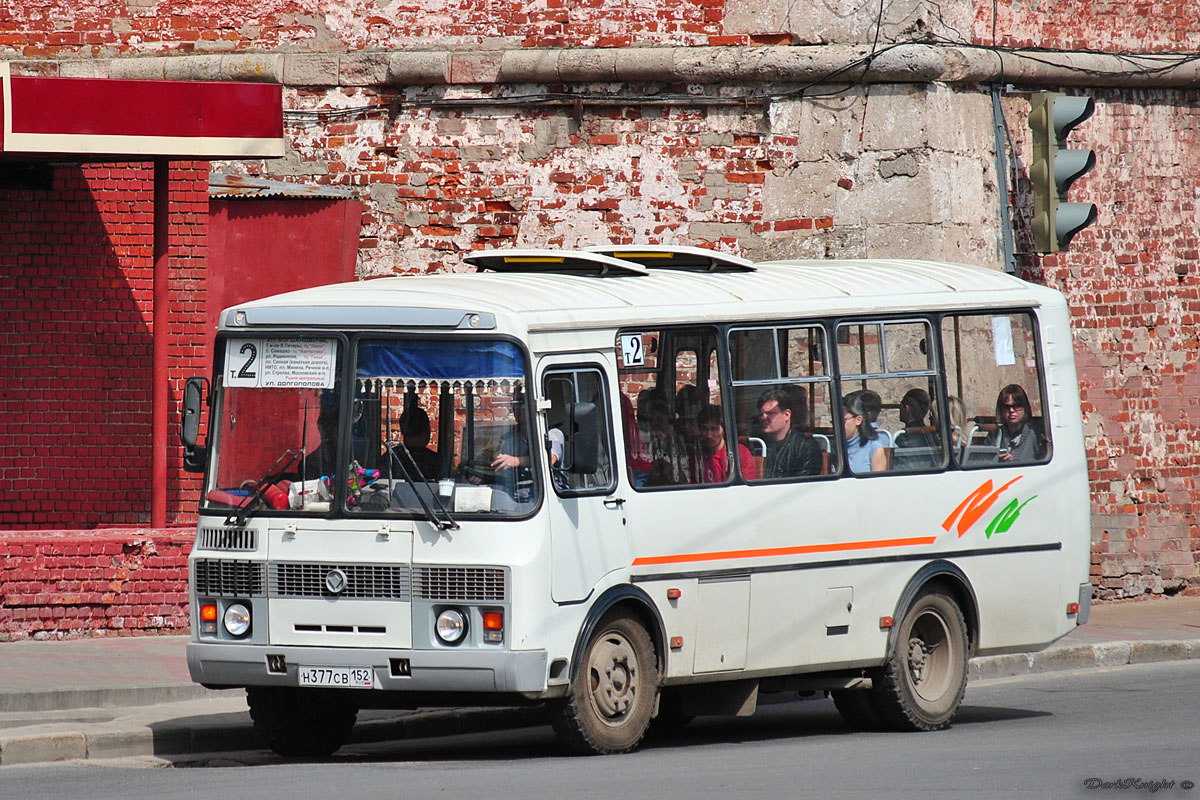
x,y
993,378
889,376
578,431
782,401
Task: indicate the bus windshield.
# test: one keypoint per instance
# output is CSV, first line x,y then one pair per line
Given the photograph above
x,y
430,428
276,433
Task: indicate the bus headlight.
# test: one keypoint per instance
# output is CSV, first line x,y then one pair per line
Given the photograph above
x,y
237,619
451,626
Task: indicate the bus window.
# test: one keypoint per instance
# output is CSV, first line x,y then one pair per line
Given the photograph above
x,y
992,372
889,380
669,377
440,422
567,389
782,400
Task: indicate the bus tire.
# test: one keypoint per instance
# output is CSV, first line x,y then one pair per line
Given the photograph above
x,y
920,686
612,697
857,708
300,724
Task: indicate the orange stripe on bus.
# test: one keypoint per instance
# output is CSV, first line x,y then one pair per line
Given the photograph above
x,y
783,551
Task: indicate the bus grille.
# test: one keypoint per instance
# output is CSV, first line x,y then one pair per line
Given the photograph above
x,y
460,583
233,539
221,578
363,581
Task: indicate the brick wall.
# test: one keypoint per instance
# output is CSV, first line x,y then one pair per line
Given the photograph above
x,y
76,327
76,312
55,584
1133,282
884,170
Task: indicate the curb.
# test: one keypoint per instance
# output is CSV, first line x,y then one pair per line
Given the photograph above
x,y
116,697
1106,654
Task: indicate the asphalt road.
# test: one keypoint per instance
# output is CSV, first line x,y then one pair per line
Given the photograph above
x,y
1056,735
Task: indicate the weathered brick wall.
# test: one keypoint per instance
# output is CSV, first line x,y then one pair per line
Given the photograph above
x,y
1146,26
1133,282
879,170
55,584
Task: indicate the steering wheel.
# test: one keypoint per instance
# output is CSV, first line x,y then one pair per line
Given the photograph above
x,y
482,470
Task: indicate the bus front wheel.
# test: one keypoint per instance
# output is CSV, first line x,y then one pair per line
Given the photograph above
x,y
612,697
301,723
921,685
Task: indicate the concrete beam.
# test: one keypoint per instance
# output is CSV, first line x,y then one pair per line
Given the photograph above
x,y
827,64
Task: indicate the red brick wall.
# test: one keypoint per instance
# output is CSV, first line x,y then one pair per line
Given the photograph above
x,y
68,583
1133,282
76,312
1145,26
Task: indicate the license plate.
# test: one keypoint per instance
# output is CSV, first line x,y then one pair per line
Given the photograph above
x,y
340,677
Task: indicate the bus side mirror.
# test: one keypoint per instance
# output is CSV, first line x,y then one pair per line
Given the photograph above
x,y
195,397
582,439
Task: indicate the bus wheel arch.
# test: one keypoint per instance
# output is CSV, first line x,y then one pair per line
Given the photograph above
x,y
616,669
950,579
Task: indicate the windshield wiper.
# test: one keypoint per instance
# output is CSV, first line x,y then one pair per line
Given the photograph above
x,y
244,509
443,522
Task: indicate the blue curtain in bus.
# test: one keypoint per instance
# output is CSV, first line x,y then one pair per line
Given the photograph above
x,y
439,359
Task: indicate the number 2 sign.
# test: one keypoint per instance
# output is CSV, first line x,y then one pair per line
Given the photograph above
x,y
279,363
632,353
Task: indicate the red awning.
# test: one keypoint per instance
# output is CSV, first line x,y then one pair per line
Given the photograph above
x,y
100,119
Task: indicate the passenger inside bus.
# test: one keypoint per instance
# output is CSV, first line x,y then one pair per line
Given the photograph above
x,y
1016,437
711,461
865,450
414,427
916,443
789,451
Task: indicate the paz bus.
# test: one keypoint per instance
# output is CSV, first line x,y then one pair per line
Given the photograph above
x,y
629,483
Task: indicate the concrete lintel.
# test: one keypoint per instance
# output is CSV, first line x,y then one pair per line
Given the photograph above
x,y
829,64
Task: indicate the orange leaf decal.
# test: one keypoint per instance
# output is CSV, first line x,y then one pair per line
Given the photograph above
x,y
975,506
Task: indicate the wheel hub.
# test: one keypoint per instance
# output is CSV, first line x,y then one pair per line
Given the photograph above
x,y
614,678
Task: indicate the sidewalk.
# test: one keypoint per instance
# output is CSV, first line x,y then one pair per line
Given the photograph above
x,y
131,696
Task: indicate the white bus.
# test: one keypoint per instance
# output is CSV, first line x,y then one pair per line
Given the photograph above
x,y
636,484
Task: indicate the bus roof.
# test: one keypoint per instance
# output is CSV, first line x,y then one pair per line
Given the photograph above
x,y
539,299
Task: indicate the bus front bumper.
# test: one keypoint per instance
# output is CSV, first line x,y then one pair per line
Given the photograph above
x,y
232,665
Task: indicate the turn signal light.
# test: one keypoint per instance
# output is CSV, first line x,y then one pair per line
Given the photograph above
x,y
208,618
886,622
673,594
676,642
1072,608
493,626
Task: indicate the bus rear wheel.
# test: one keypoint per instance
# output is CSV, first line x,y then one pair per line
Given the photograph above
x,y
921,685
612,697
301,724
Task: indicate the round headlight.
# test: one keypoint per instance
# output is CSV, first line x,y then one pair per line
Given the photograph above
x,y
237,619
451,625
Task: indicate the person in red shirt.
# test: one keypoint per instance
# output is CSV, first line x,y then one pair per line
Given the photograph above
x,y
711,463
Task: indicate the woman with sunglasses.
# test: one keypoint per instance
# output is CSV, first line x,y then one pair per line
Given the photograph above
x,y
1015,435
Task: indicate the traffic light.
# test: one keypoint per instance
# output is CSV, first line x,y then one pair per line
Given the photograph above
x,y
1052,117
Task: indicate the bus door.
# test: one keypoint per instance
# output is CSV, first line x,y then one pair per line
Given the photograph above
x,y
588,533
